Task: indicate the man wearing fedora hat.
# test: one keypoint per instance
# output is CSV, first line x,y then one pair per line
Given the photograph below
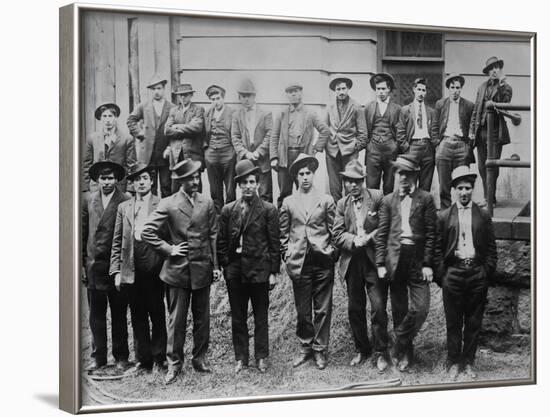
x,y
135,267
348,133
307,246
452,119
405,250
354,230
382,116
98,224
497,90
191,264
146,123
469,257
250,134
108,144
248,250
293,134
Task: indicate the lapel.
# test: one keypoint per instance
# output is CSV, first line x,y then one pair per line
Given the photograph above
x,y
260,122
165,111
372,111
415,196
97,206
149,113
208,120
367,200
129,212
477,224
445,118
348,113
453,226
284,122
236,218
253,213
317,202
334,114
111,208
115,140
184,205
349,214
244,128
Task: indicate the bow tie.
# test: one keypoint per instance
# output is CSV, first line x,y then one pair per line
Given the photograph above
x,y
404,193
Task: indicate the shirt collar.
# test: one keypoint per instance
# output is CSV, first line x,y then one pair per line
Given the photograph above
x,y
462,207
146,198
457,101
411,190
386,101
216,111
253,108
297,108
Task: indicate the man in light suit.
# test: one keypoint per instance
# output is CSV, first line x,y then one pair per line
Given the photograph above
x,y
146,123
348,133
250,134
191,263
405,249
306,220
98,224
136,266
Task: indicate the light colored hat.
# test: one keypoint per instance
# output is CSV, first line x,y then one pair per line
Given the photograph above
x,y
462,173
406,163
339,80
301,161
184,88
246,87
156,79
354,169
293,86
491,62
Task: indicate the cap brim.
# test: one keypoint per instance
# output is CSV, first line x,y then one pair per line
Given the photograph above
x,y
196,167
463,177
246,173
352,176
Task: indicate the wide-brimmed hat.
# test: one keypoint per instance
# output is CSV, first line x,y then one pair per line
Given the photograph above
x,y
215,89
137,169
244,168
156,79
491,62
293,86
301,161
452,77
184,88
339,80
107,106
99,166
246,87
462,173
387,77
354,170
185,168
406,163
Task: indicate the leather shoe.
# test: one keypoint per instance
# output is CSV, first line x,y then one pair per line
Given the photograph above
x,y
139,368
261,364
123,365
453,371
357,359
159,367
171,375
239,366
320,360
200,365
301,359
381,364
469,372
95,366
404,363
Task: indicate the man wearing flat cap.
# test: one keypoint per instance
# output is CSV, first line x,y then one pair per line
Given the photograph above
x,y
382,116
416,133
136,266
248,250
220,156
467,245
98,224
354,232
405,251
146,123
452,119
293,134
306,220
250,134
108,144
191,263
348,133
496,90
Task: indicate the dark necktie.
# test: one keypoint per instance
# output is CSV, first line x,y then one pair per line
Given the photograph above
x,y
419,117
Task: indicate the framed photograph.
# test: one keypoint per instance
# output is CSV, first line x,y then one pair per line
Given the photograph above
x,y
260,208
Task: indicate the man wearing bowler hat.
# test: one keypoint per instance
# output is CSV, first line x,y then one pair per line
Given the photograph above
x,y
292,135
98,224
220,157
108,144
452,119
307,247
348,133
496,90
405,249
382,116
136,266
250,134
191,264
248,250
146,123
467,244
354,232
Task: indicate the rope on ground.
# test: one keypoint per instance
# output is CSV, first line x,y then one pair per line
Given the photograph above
x,y
372,384
105,393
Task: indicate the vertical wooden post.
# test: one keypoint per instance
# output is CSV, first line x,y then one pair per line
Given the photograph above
x,y
133,63
491,156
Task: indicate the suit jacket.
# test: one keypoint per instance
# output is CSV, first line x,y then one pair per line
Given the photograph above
x,y
196,225
260,142
407,124
122,252
501,94
185,131
465,110
149,150
300,231
279,136
422,220
394,110
227,118
260,254
98,225
349,133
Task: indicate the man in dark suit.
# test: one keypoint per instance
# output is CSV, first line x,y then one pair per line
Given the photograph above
x,y
136,267
452,120
248,250
416,133
382,116
98,224
354,231
496,89
250,134
146,123
405,248
468,248
190,266
307,246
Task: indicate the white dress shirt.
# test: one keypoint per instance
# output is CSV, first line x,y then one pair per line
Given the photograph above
x,y
465,247
406,231
141,209
420,133
158,105
218,113
383,105
250,117
453,121
359,220
105,199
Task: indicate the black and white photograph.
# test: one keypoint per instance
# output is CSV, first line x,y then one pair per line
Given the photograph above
x,y
283,208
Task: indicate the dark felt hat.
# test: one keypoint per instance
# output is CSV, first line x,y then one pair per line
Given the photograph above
x,y
156,79
452,77
491,62
293,86
385,76
107,106
246,87
215,89
184,88
301,161
339,80
244,168
96,168
137,169
185,168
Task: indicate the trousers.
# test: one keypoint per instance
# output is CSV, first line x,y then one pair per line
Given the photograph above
x,y
335,165
423,151
379,159
450,154
220,168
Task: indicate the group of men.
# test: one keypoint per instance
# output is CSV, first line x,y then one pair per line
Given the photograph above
x,y
139,249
